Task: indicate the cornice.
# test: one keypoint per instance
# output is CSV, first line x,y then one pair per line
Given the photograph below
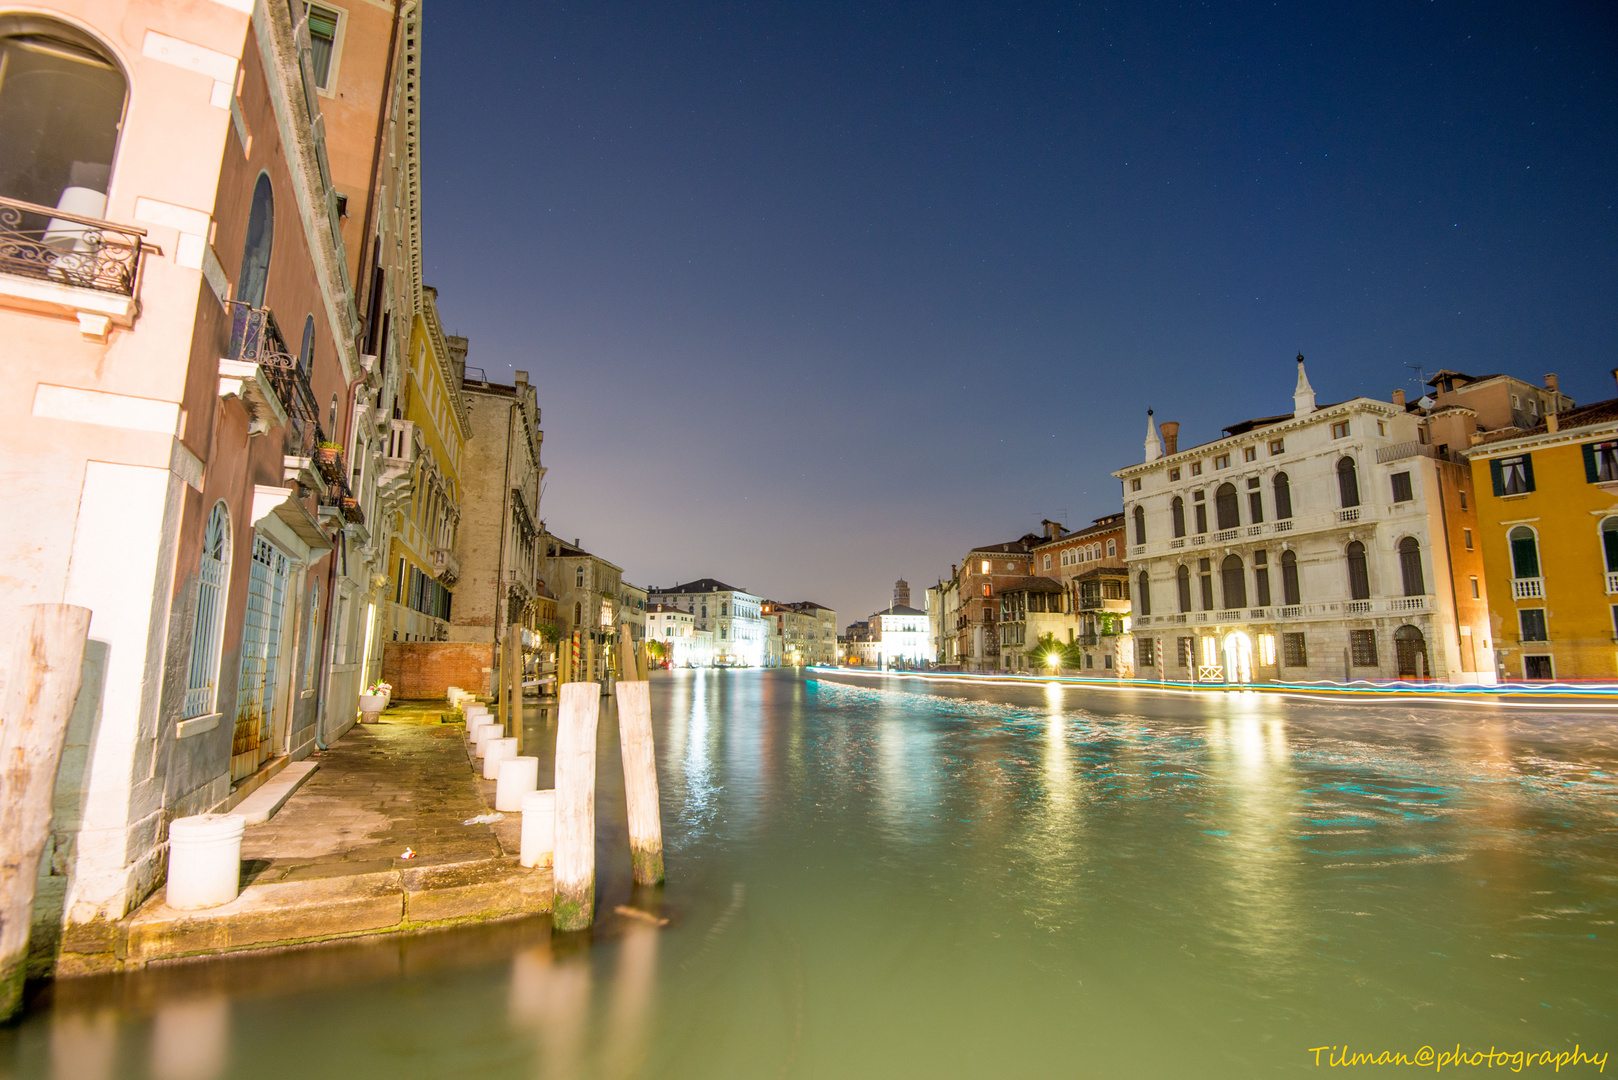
x,y
1543,440
1195,453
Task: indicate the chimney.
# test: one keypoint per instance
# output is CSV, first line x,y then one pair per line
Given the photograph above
x,y
1551,384
1551,423
953,567
576,542
1171,436
1303,395
1053,529
1399,399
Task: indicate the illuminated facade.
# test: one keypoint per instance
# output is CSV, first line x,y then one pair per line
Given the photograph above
x,y
733,616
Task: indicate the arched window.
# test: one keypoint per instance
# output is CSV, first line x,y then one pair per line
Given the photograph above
x,y
1348,482
1225,510
1234,581
61,107
1524,552
1609,543
213,571
1359,578
1290,594
255,273
1112,548
1410,567
1283,497
1177,512
578,613
578,577
1145,595
1140,524
306,353
1182,579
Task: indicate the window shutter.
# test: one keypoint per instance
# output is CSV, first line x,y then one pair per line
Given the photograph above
x,y
1528,470
1495,477
1591,473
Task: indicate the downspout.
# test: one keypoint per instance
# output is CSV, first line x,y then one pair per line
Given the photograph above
x,y
376,146
505,527
1449,559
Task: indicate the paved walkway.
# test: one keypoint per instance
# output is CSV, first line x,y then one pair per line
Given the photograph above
x,y
382,788
328,865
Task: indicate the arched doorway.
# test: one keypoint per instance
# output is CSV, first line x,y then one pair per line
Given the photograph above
x,y
1238,657
1410,648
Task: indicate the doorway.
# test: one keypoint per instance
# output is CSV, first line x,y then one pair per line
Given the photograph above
x,y
1238,657
1410,649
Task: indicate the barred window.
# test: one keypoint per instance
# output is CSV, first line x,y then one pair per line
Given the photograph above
x,y
1532,624
208,625
1362,648
1145,652
1182,651
1293,650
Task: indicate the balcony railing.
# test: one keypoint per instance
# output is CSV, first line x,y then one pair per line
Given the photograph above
x,y
1533,588
1408,603
255,338
1283,526
67,249
1226,534
1357,607
1612,582
1346,516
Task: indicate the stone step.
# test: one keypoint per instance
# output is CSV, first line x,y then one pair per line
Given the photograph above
x,y
262,804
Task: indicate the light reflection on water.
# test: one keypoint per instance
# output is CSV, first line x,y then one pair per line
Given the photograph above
x,y
903,879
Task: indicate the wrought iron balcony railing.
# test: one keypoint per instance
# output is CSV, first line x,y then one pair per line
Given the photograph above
x,y
255,337
69,249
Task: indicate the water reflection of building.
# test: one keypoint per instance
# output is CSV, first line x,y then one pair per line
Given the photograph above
x,y
1312,544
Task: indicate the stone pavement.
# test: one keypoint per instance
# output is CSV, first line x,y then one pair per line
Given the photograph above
x,y
328,866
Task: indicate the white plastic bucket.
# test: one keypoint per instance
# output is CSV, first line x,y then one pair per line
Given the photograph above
x,y
538,829
518,776
496,751
205,861
487,734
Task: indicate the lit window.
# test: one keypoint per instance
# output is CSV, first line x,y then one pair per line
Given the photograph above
x,y
1266,649
985,566
1339,430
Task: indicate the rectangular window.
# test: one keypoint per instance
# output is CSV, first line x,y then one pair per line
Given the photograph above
x,y
1250,453
1261,578
1134,485
1538,667
1196,468
1277,446
1402,491
322,42
1466,537
1255,506
1182,651
1204,571
1362,648
985,566
1174,474
1462,494
1512,475
1266,649
1601,462
1381,428
1222,461
1475,595
1202,516
1145,652
1293,651
1339,430
1531,622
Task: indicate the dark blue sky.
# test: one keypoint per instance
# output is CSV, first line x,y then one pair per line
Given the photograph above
x,y
819,295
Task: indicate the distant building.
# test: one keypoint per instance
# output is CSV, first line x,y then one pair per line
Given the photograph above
x,y
677,631
589,592
732,615
900,632
860,647
978,581
821,648
1548,528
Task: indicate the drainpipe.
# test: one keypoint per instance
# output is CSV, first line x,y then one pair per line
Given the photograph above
x,y
505,527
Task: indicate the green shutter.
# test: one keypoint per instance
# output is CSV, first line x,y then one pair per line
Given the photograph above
x,y
1496,478
1591,473
1528,470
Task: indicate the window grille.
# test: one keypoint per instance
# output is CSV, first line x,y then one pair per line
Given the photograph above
x,y
213,571
1362,648
1293,650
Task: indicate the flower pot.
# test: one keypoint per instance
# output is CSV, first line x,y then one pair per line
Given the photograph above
x,y
371,706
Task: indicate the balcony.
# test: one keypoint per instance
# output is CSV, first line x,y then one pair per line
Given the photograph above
x,y
1533,588
1177,543
1401,451
1408,603
446,567
1224,535
1345,517
1283,526
256,345
71,264
398,461
1357,607
1612,582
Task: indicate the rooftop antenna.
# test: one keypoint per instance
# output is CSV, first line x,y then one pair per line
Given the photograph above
x,y
1421,374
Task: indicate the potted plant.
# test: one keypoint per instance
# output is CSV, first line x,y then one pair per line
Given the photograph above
x,y
329,460
373,701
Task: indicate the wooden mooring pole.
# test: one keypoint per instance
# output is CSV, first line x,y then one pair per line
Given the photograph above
x,y
640,768
41,683
575,860
514,649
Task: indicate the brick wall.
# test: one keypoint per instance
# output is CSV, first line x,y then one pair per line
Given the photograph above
x,y
419,670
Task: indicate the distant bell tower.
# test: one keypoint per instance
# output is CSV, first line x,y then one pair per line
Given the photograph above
x,y
901,593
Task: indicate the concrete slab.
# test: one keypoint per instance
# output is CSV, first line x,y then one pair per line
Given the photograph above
x,y
262,804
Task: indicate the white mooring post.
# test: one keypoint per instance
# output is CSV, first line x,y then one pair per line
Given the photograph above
x,y
41,683
640,772
575,873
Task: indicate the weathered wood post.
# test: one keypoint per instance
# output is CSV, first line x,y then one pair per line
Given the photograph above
x,y
514,635
41,683
640,781
575,869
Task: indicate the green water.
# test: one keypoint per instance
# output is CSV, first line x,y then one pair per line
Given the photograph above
x,y
894,879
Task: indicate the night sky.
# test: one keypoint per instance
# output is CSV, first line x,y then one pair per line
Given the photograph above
x,y
819,295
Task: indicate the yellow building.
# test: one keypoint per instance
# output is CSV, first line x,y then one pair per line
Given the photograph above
x,y
1548,515
426,447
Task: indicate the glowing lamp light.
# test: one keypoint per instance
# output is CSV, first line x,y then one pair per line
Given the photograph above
x,y
1053,658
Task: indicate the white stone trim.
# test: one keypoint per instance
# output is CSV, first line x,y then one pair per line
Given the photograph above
x,y
184,54
105,409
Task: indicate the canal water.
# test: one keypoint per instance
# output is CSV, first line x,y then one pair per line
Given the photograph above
x,y
898,878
